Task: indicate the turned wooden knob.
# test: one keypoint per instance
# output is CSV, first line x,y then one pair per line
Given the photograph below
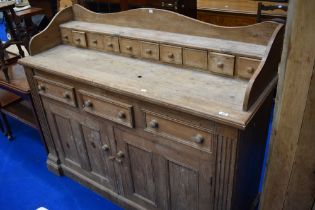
x,y
250,70
88,104
66,37
198,139
105,147
220,65
66,95
109,45
129,48
95,41
148,51
120,154
41,87
121,115
171,55
154,124
78,40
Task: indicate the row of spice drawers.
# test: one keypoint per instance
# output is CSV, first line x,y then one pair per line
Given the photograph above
x,y
122,113
202,59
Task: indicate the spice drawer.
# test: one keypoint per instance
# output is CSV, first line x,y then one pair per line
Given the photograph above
x,y
171,54
246,67
221,63
195,58
66,35
111,43
130,47
78,38
180,131
95,41
150,50
109,109
55,90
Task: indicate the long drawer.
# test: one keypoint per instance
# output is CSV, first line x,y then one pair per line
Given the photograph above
x,y
180,131
55,90
107,108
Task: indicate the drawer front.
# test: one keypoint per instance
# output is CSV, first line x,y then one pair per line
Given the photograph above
x,y
78,38
95,41
55,90
66,35
111,43
107,108
195,58
246,67
150,50
185,133
221,63
171,54
130,47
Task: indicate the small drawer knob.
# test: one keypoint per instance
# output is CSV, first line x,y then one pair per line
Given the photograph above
x,y
199,139
121,115
88,104
66,95
95,42
120,154
78,40
110,45
250,70
65,37
41,87
154,124
105,147
148,51
220,65
171,55
129,48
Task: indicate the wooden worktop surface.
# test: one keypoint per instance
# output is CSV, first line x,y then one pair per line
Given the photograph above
x,y
206,95
233,6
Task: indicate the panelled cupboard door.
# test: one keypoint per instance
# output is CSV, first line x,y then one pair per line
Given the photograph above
x,y
83,143
158,177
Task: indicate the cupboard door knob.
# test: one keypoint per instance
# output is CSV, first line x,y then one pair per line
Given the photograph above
x,y
66,95
129,48
120,154
171,55
105,147
66,37
88,103
220,65
121,115
250,70
148,51
154,124
199,139
109,45
78,40
95,41
41,87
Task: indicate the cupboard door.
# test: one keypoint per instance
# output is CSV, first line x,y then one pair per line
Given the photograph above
x,y
157,177
84,143
98,137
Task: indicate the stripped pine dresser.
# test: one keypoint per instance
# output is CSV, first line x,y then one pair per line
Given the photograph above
x,y
155,110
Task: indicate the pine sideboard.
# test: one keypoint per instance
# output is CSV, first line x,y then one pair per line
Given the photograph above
x,y
155,110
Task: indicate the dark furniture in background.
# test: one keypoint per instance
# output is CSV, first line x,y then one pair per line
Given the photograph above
x,y
185,7
236,13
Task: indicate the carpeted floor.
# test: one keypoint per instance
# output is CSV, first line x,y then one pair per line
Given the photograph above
x,y
26,184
